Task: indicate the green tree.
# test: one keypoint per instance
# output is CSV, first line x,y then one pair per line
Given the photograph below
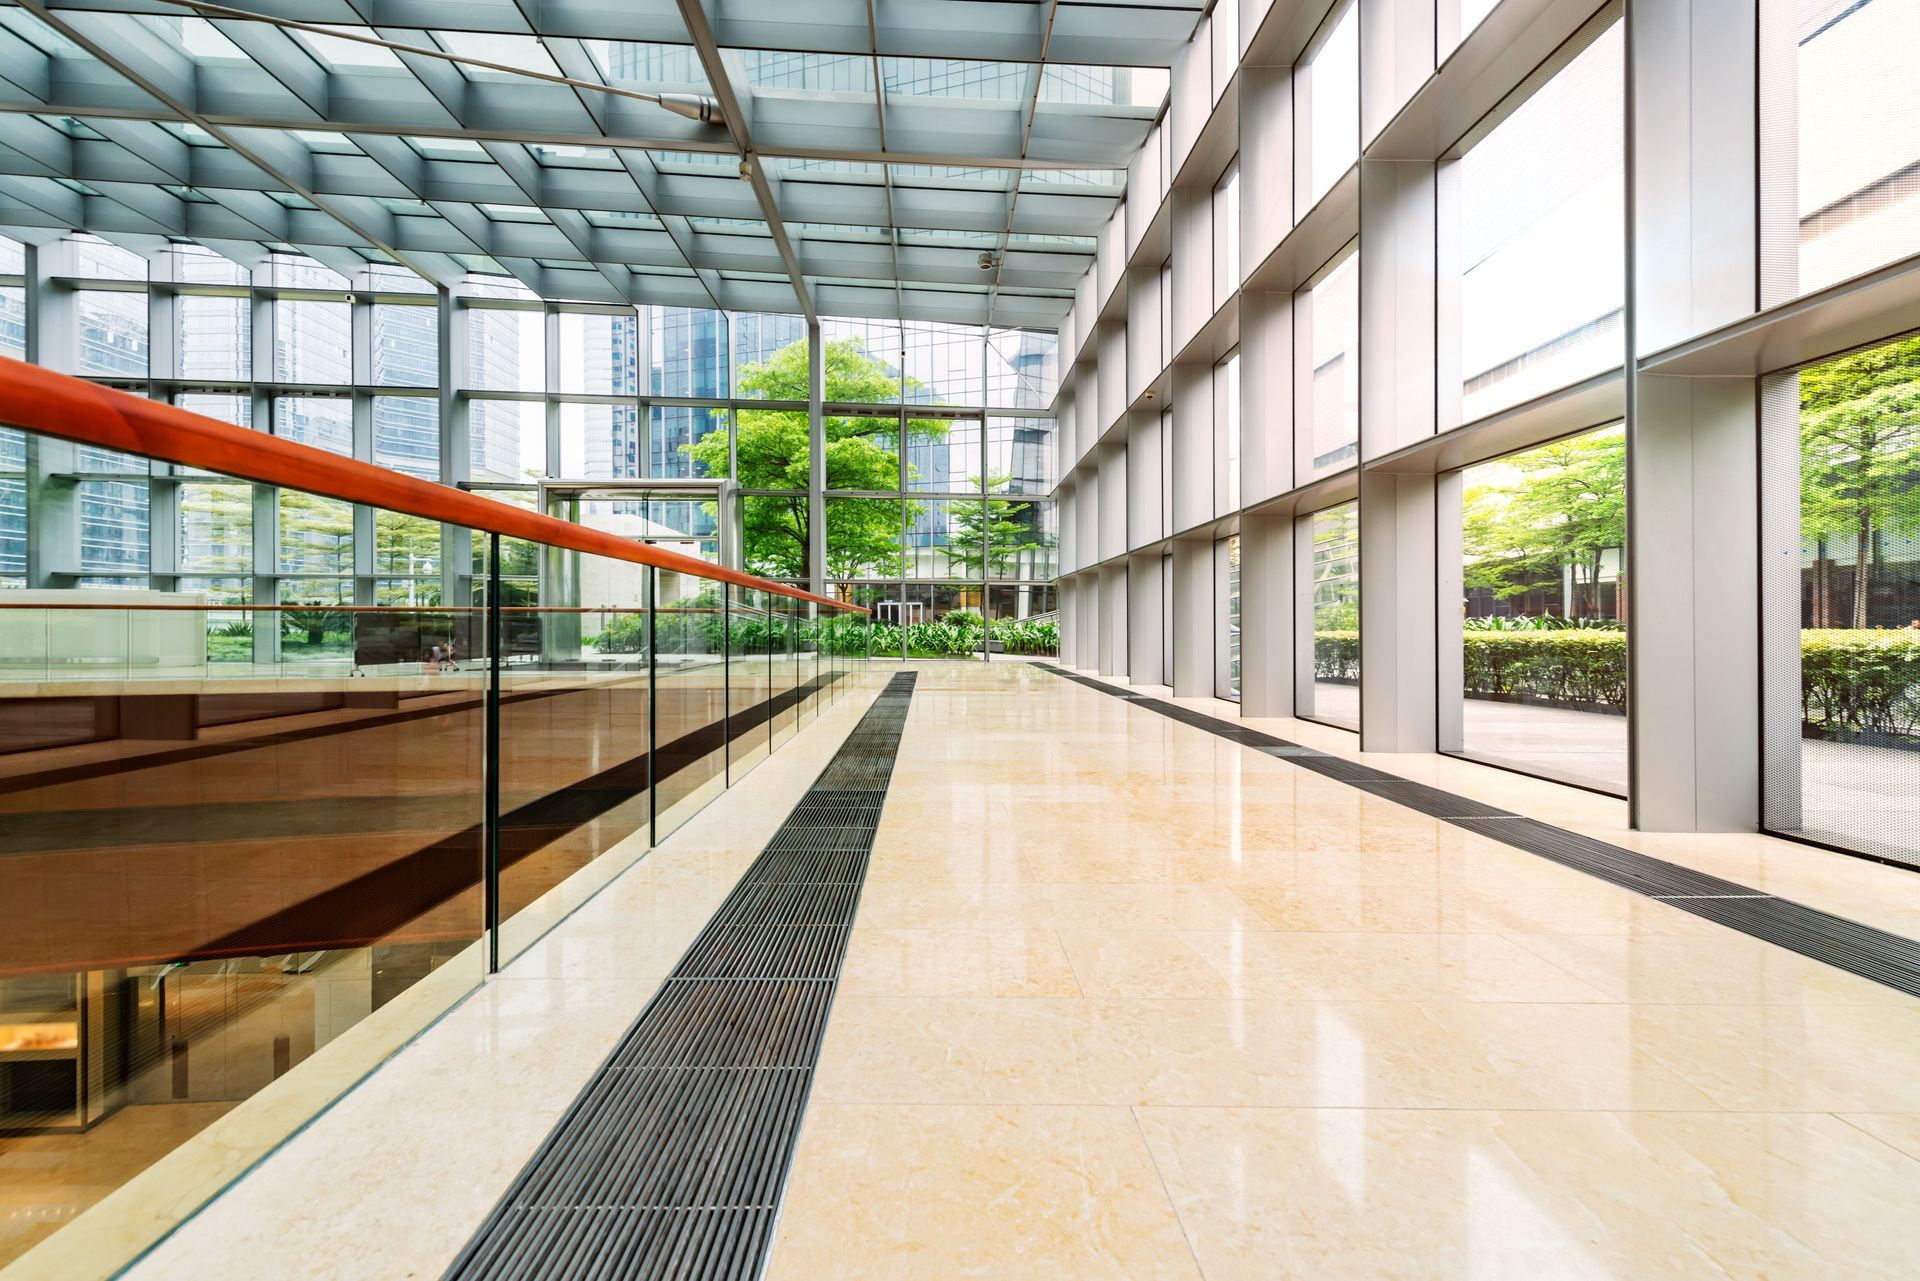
x,y
1860,454
996,530
1566,507
771,452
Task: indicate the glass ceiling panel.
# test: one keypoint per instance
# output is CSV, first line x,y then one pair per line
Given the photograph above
x,y
1141,87
1084,182
951,177
40,35
524,52
634,62
801,169
196,37
957,78
334,53
809,86
806,72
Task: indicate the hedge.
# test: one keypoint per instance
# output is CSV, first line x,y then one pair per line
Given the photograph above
x,y
1860,682
1851,682
1587,668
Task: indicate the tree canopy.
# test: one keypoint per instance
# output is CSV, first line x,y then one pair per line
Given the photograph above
x,y
1561,505
1860,455
772,452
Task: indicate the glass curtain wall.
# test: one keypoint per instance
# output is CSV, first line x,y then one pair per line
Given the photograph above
x,y
1543,641
939,515
959,521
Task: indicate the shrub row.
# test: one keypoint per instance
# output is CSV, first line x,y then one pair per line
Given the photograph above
x,y
1851,682
1860,682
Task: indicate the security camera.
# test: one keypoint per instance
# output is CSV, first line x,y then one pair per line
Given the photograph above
x,y
987,262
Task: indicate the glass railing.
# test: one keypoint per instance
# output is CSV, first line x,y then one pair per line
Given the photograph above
x,y
302,791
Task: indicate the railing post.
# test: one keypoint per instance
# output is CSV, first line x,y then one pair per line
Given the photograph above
x,y
651,632
490,823
726,683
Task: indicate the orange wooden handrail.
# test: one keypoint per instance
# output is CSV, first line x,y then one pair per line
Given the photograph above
x,y
70,408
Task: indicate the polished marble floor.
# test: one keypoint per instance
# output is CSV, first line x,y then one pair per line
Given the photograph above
x,y
1127,1000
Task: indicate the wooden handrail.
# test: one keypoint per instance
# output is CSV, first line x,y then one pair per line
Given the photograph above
x,y
55,404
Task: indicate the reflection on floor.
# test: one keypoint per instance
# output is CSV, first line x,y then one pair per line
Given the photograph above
x,y
1125,999
47,1179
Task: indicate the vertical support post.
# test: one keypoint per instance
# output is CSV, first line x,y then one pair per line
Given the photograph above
x,y
726,683
816,460
490,766
652,599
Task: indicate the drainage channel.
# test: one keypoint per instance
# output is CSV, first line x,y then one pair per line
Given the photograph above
x,y
1876,954
671,1161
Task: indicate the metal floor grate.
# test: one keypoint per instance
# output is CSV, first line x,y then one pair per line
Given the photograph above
x,y
1876,954
671,1161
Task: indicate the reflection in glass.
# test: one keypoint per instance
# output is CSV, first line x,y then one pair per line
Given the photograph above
x,y
1856,154
1334,312
214,336
406,346
312,341
112,333
1542,229
1333,95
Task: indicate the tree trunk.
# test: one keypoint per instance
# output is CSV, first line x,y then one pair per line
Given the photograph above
x,y
1862,550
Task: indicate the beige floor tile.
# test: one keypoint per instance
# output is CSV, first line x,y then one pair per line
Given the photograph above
x,y
1141,963
1789,1058
987,1192
1717,967
1376,1192
1327,966
956,962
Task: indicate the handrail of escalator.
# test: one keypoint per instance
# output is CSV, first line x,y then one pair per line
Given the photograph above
x,y
56,404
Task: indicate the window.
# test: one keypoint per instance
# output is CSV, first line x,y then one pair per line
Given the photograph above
x,y
599,442
1226,661
1332,437
1846,152
214,336
406,434
1334,624
1543,644
112,333
1226,425
216,528
1332,105
406,346
1226,234
506,350
312,341
324,422
1841,668
506,439
598,356
1541,238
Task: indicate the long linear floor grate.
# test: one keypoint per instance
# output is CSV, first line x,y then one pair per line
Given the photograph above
x,y
671,1161
1872,953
